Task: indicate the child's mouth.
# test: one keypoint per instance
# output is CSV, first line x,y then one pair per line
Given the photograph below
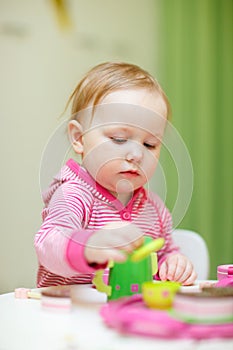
x,y
130,173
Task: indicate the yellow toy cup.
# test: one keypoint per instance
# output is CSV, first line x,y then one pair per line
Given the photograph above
x,y
159,295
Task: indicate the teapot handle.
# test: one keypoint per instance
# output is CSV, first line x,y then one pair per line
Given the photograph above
x,y
99,283
148,248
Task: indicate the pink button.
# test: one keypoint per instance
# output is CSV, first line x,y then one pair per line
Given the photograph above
x,y
126,215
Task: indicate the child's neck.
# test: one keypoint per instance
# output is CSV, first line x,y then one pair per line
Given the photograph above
x,y
124,198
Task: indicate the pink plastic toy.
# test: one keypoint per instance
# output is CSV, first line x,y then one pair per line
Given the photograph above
x,y
130,315
225,276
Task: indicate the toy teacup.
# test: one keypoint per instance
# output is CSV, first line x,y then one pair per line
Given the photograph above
x,y
159,295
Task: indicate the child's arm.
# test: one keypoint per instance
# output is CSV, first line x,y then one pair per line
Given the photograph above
x,y
172,264
61,239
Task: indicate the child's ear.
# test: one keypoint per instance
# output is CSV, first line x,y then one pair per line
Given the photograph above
x,y
75,132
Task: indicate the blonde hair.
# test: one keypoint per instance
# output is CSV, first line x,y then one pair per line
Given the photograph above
x,y
108,77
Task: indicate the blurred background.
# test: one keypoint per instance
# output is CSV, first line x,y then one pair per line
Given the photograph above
x,y
45,48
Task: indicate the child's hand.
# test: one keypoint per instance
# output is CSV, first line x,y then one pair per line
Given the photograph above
x,y
112,242
178,268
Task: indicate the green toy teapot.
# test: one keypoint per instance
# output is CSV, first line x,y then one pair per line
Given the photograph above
x,y
126,278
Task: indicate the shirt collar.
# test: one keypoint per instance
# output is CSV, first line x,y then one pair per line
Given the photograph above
x,y
101,192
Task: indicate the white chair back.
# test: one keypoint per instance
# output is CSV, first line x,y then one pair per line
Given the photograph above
x,y
194,247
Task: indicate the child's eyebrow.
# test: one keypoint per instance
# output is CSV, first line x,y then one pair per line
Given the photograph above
x,y
117,128
127,129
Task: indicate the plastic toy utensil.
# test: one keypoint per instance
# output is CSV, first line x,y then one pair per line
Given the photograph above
x,y
145,250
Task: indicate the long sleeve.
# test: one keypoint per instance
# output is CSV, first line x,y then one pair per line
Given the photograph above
x,y
62,237
164,219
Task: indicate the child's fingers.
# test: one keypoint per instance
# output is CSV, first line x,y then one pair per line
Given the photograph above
x,y
191,279
122,242
113,242
186,273
163,271
115,255
130,246
176,270
122,235
131,236
104,255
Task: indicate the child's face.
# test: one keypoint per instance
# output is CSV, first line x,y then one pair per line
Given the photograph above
x,y
121,147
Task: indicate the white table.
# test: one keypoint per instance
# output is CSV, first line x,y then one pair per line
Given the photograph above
x,y
24,325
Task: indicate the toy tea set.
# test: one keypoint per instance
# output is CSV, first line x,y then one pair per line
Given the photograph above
x,y
139,305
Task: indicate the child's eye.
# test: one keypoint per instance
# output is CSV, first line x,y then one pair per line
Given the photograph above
x,y
118,140
150,146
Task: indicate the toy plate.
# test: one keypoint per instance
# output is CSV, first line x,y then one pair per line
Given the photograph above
x,y
131,316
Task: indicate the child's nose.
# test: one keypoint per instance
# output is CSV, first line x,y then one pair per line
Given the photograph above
x,y
135,154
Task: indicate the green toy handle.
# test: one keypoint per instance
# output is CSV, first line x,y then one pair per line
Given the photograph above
x,y
99,283
147,249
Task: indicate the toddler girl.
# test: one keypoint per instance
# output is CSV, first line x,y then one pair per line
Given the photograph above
x,y
100,210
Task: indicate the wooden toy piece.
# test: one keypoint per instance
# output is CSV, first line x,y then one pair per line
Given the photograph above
x,y
24,293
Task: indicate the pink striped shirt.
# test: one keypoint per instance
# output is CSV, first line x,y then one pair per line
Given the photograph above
x,y
75,207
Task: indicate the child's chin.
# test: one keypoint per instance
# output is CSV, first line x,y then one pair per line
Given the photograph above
x,y
124,186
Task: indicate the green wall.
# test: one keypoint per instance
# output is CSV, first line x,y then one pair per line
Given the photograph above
x,y
195,69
